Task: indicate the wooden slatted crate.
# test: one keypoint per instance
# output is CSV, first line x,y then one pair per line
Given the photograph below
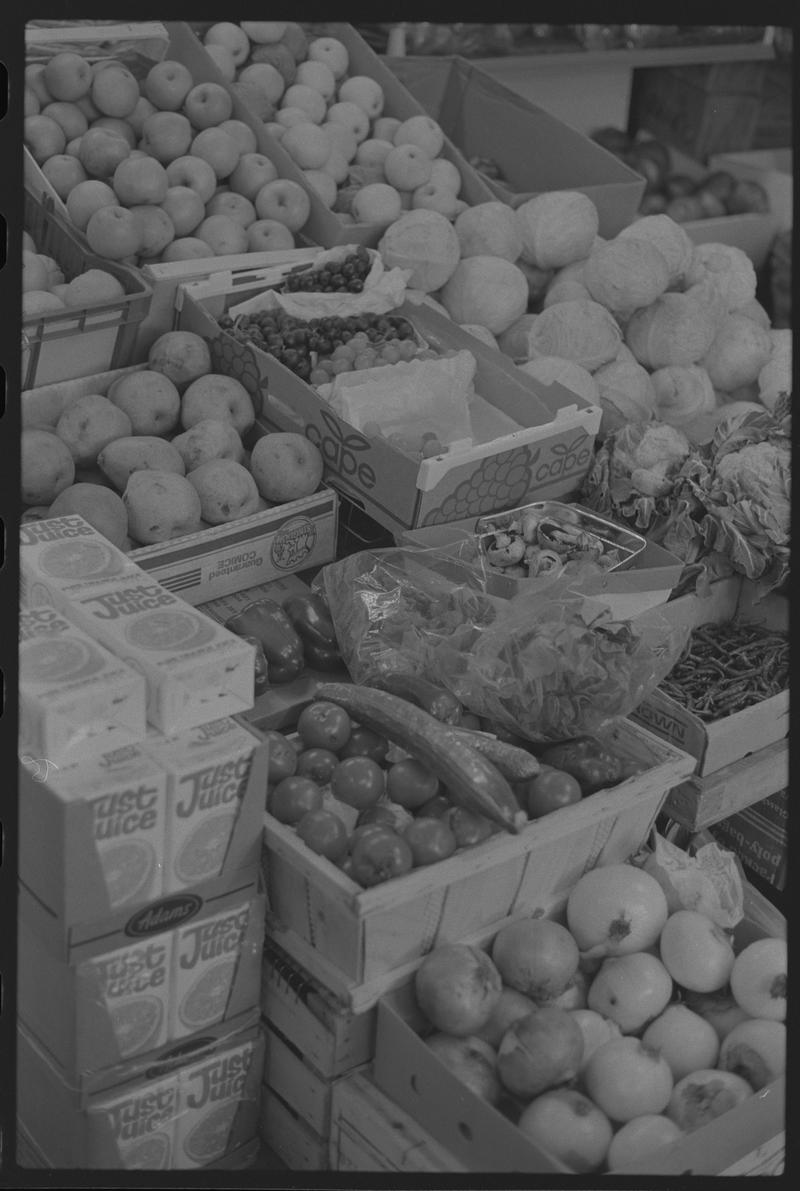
x,y
702,801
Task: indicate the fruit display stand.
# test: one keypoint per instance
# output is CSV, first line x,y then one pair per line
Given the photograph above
x,y
360,942
743,1140
57,346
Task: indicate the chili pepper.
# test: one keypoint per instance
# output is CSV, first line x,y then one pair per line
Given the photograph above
x,y
268,623
311,618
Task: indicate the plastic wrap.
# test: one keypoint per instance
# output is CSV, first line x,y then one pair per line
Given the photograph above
x,y
549,664
709,880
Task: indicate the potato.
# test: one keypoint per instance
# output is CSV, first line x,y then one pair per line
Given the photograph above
x,y
101,507
150,399
181,356
227,490
210,438
141,452
161,505
89,424
46,464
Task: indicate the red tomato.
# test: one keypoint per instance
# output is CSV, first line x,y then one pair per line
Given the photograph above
x,y
550,790
293,797
411,784
364,742
358,781
361,829
318,764
430,840
379,855
439,805
324,725
468,828
324,833
282,756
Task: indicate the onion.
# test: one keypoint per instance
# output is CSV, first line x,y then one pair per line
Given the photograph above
x,y
615,910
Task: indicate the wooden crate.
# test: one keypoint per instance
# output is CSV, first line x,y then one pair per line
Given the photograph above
x,y
284,1132
700,802
360,942
370,1132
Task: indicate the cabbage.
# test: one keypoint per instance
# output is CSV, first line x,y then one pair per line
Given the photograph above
x,y
675,329
626,274
626,394
557,227
583,331
728,268
424,242
682,394
668,237
738,353
575,378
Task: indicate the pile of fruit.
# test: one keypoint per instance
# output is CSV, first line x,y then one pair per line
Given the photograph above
x,y
45,287
615,1034
288,637
162,454
363,164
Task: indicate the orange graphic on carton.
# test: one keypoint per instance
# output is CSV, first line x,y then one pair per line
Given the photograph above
x,y
206,958
211,1095
208,770
138,1124
131,987
61,556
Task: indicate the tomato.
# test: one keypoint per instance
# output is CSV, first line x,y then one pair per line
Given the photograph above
x,y
292,797
379,855
550,790
468,828
282,756
587,760
362,829
318,764
364,742
439,805
389,814
411,783
430,840
358,781
324,725
324,833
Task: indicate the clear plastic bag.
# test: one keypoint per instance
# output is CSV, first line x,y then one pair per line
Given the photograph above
x,y
550,664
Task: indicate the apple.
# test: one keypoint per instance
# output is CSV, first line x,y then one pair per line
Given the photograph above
x,y
307,98
471,1060
319,76
140,181
342,138
435,196
242,133
385,127
167,84
264,32
535,956
275,129
34,272
63,172
101,151
511,1006
337,166
150,400
685,1039
193,172
284,200
595,1029
376,203
634,1142
217,396
87,197
758,978
156,229
266,77
446,173
373,151
539,1051
252,172
366,93
69,116
43,137
115,91
625,1079
255,100
91,287
224,61
323,184
207,105
224,236
630,990
73,148
352,116
185,208
234,206
407,167
423,132
706,1094
332,52
279,56
696,952
186,248
34,78
232,37
287,117
267,235
67,76
122,128
88,108
31,105
36,302
114,232
307,145
183,356
295,38
566,1124
218,148
286,466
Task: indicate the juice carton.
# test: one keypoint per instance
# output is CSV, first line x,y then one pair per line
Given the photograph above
x,y
134,1129
216,961
76,698
217,1104
61,556
127,795
208,771
130,988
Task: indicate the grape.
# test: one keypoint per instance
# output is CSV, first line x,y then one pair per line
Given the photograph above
x,y
389,354
364,360
318,376
407,350
342,365
430,447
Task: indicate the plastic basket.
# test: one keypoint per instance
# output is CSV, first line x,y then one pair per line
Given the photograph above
x,y
84,340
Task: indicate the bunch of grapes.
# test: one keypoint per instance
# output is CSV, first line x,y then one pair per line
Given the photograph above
x,y
346,276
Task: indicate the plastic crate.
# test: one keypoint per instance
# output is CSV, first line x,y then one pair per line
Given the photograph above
x,y
82,341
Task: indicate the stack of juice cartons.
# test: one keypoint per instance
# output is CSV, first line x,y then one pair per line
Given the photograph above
x,y
141,910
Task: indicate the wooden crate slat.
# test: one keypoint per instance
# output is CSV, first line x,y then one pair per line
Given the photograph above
x,y
701,802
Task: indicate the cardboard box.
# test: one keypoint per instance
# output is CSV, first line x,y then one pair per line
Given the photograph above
x,y
699,802
76,698
483,1139
725,741
545,457
534,150
61,858
132,993
218,559
96,1123
759,836
772,169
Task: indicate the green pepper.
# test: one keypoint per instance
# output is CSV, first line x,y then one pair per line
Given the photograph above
x,y
261,666
592,765
321,657
311,618
268,623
